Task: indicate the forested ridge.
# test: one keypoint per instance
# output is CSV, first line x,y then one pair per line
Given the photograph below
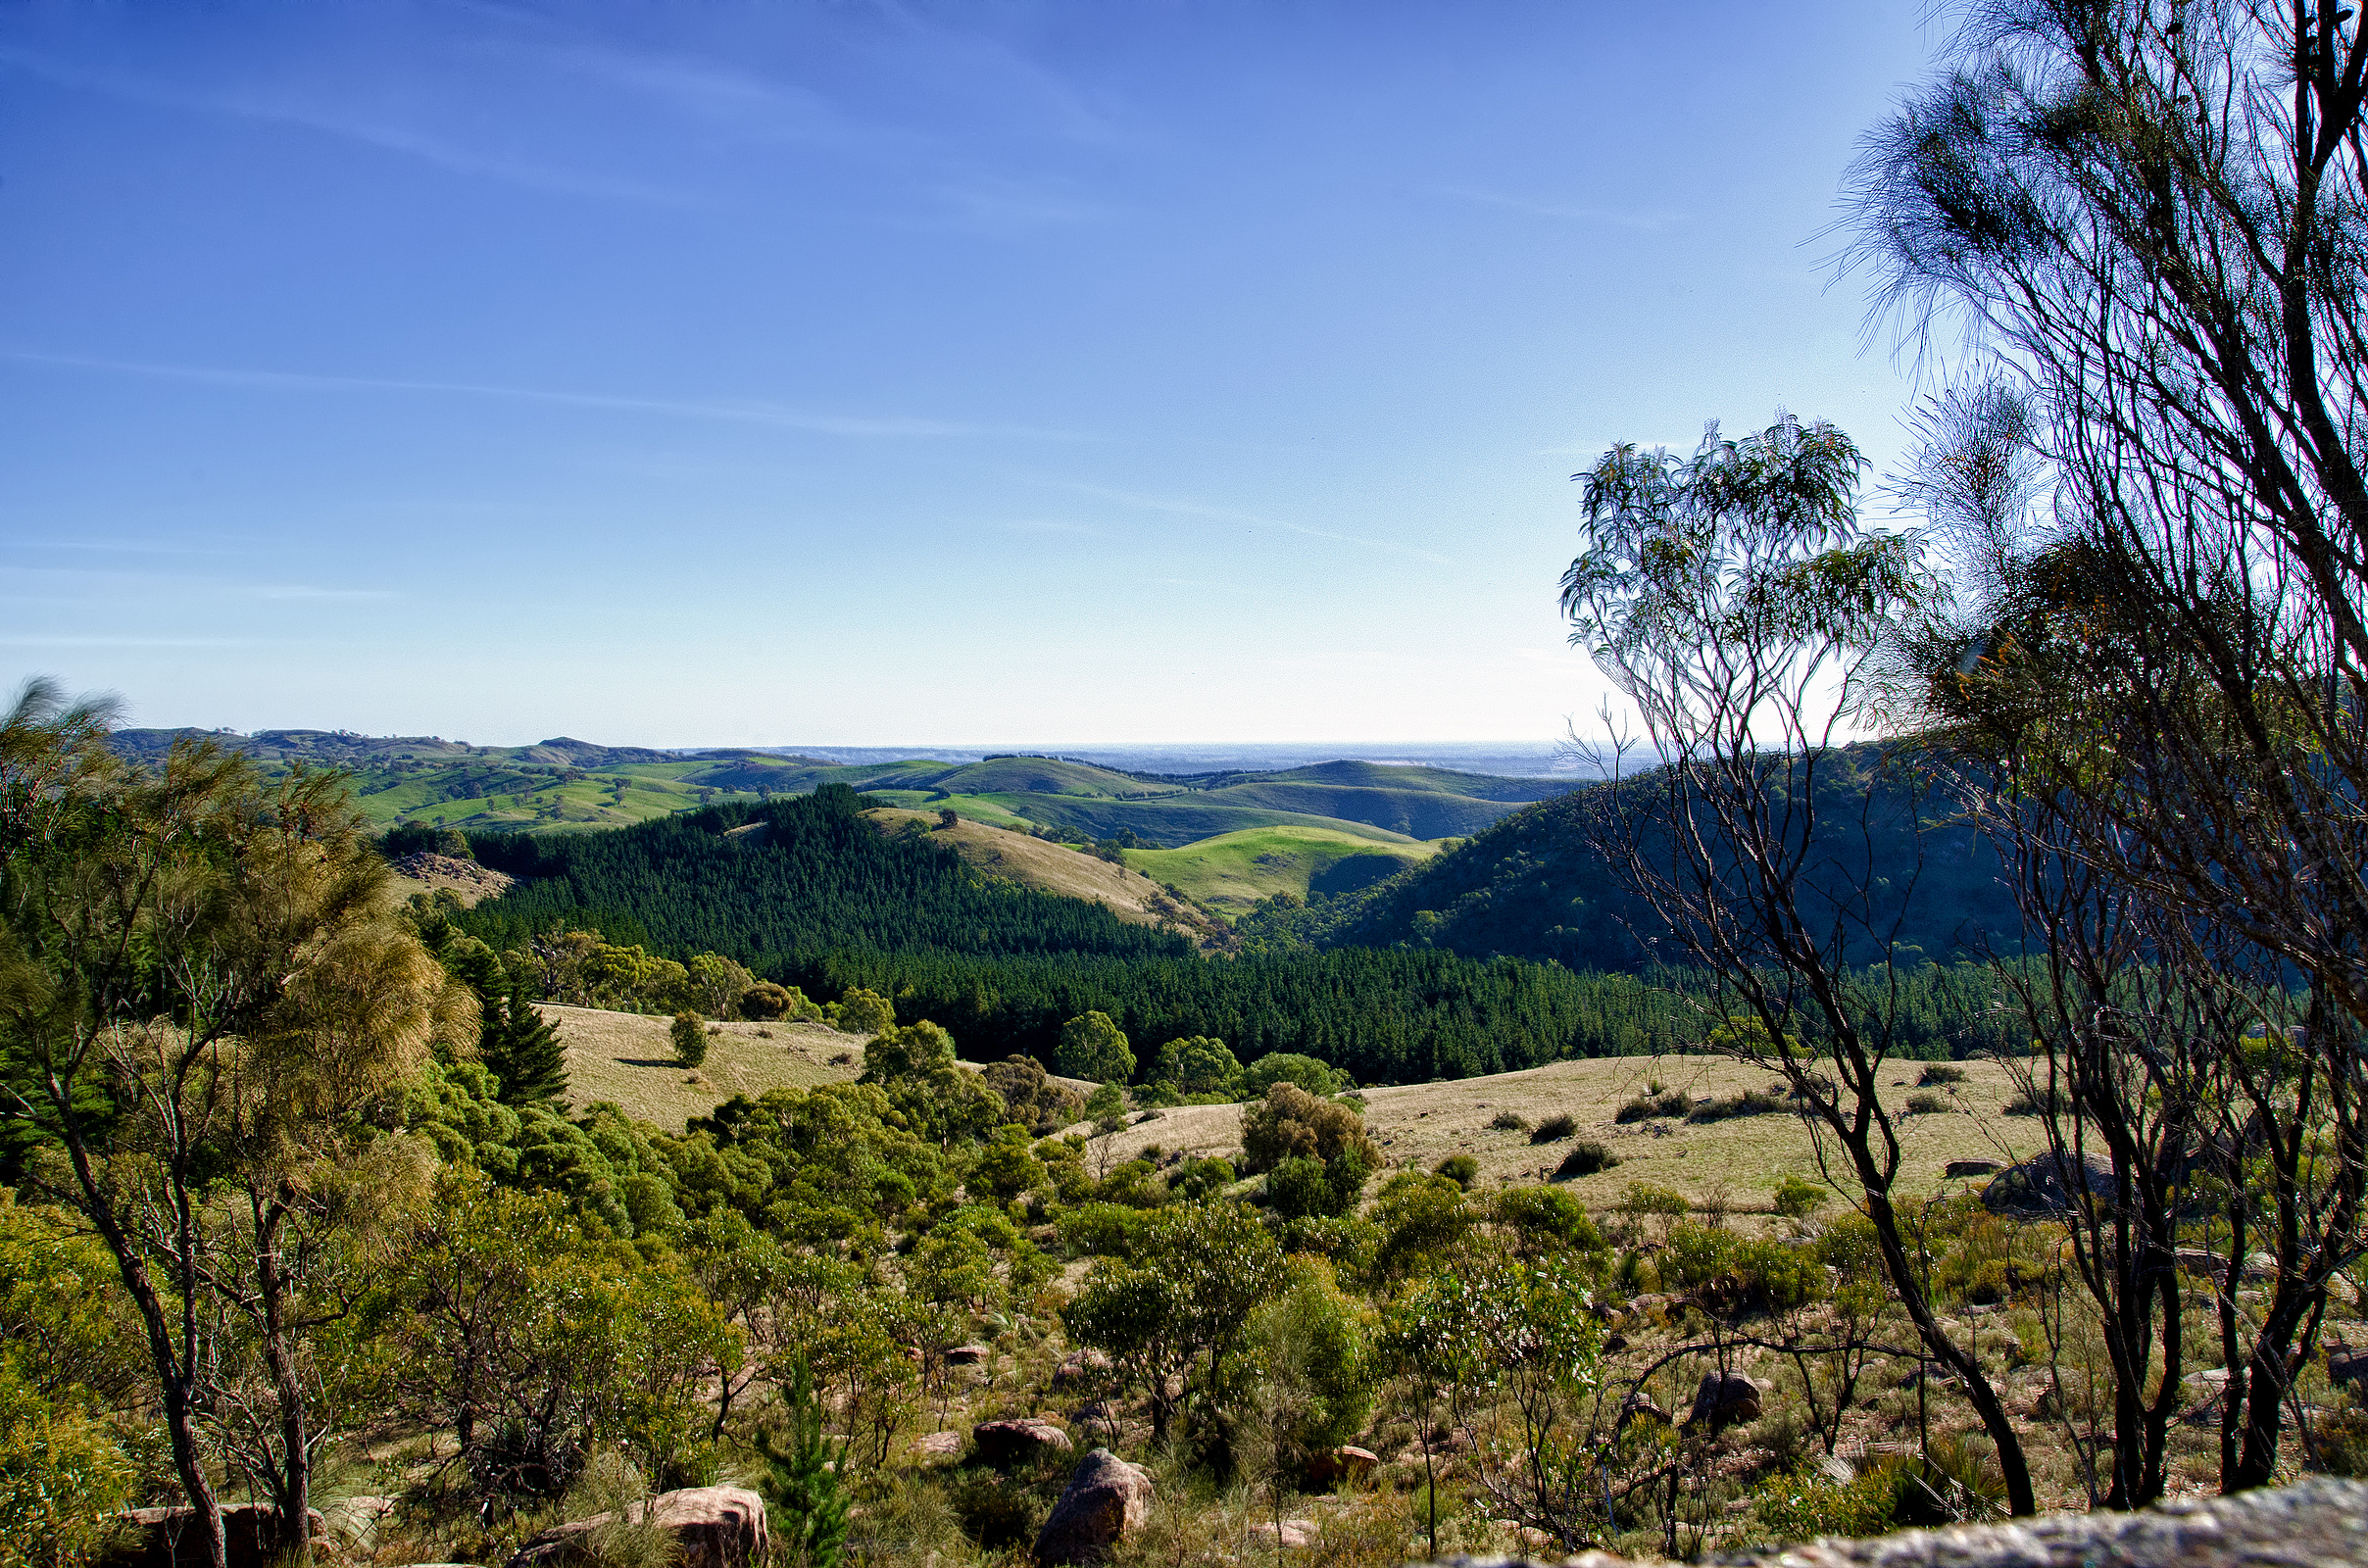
x,y
1534,885
821,900
810,877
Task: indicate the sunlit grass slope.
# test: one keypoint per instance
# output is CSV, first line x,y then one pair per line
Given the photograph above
x,y
1232,871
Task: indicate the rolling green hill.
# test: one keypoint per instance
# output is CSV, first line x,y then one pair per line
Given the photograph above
x,y
1233,873
564,785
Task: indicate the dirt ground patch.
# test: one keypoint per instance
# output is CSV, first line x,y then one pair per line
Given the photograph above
x,y
428,873
626,1057
1418,1125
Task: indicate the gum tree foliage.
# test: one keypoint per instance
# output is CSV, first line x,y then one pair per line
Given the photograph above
x,y
1511,1349
1093,1047
2149,220
1736,602
200,985
1177,1308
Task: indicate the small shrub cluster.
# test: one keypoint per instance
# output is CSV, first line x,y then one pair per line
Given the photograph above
x,y
1940,1074
1586,1157
1553,1129
1750,1103
1509,1121
1660,1102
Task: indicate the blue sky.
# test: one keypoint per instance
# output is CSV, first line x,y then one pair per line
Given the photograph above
x,y
1107,370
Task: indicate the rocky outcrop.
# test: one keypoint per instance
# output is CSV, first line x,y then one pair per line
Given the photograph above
x,y
1724,1399
1348,1462
167,1537
1005,1443
2044,1184
1106,1501
2321,1522
713,1527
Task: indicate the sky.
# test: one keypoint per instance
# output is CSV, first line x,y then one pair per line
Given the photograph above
x,y
1086,371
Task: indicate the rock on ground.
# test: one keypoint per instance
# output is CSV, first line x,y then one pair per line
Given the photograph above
x,y
1001,1443
713,1527
1106,1501
2320,1522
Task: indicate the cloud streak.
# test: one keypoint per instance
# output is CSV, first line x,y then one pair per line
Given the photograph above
x,y
402,140
768,414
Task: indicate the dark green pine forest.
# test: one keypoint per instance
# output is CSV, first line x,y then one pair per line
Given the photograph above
x,y
806,892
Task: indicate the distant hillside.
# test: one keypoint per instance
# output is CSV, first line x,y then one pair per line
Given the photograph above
x,y
817,879
1529,886
564,785
1053,868
1233,873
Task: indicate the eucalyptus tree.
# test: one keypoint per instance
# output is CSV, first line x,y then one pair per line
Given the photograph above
x,y
1737,602
2150,218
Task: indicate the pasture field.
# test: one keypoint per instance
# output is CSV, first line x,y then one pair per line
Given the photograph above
x,y
1231,872
1740,1158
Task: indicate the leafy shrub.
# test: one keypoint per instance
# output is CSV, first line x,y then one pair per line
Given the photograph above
x,y
1803,1507
1197,1179
1548,1214
689,1035
1553,1129
1290,1067
1509,1121
1459,1169
1091,1047
1798,1199
1586,1157
1941,1072
1924,1102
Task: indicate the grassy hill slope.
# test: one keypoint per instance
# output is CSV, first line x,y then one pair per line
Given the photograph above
x,y
1233,871
1053,868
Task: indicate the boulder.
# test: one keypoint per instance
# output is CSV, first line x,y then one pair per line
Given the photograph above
x,y
1723,1400
713,1527
969,1354
1106,1501
1081,1366
1972,1167
2348,1364
167,1537
1347,1462
938,1444
1004,1443
2044,1186
2320,1520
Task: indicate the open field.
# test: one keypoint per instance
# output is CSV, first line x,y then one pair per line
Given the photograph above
x,y
1233,871
1418,1125
626,1057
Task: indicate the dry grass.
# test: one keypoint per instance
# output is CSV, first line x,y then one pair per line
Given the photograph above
x,y
1042,863
626,1057
1418,1125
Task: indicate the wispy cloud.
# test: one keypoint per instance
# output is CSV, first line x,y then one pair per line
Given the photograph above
x,y
1196,509
1647,222
386,136
724,411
